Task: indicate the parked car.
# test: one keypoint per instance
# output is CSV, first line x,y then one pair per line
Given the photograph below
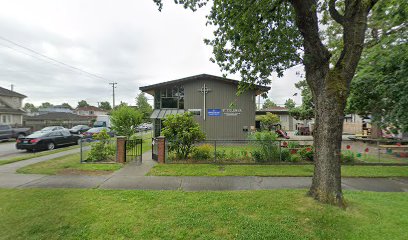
x,y
42,140
144,127
91,132
102,121
78,129
52,128
7,132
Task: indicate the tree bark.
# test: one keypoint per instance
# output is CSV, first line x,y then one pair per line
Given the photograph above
x,y
330,88
327,134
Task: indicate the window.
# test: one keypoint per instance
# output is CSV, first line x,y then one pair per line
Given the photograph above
x,y
157,127
196,112
170,97
56,134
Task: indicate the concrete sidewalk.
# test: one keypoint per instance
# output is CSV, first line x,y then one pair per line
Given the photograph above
x,y
132,177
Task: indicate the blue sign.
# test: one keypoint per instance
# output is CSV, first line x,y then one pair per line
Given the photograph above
x,y
214,112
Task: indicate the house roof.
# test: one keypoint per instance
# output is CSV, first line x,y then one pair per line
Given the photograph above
x,y
11,110
57,116
196,77
8,93
273,109
89,108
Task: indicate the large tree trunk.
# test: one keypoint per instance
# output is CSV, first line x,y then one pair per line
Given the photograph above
x,y
330,87
329,112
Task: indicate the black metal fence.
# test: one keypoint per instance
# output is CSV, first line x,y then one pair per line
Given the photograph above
x,y
290,152
134,150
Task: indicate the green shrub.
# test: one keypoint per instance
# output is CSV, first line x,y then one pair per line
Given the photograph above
x,y
293,144
267,148
306,153
221,154
257,155
232,155
285,155
103,149
295,158
203,152
182,131
347,157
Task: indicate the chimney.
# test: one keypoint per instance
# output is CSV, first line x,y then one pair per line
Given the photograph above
x,y
12,87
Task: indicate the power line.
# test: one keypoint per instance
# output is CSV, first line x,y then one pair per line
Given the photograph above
x,y
49,58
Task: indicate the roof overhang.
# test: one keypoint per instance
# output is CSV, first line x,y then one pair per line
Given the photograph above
x,y
163,113
259,89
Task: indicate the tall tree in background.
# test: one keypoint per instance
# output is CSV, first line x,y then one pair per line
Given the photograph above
x,y
29,107
290,103
143,106
268,104
306,110
46,105
257,38
66,105
125,119
105,106
83,103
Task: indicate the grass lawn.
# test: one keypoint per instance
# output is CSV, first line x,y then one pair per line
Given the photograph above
x,y
271,170
27,155
70,164
277,214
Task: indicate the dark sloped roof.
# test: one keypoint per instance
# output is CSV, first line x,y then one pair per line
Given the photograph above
x,y
273,109
57,116
207,76
8,93
11,110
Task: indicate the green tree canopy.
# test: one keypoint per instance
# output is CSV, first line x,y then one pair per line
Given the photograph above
x,y
66,105
268,104
29,107
105,106
380,87
83,103
46,105
143,106
125,119
182,131
306,110
290,103
268,121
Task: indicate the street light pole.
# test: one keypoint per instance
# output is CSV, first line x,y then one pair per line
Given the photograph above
x,y
113,92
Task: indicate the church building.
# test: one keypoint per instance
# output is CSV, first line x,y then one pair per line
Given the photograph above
x,y
213,100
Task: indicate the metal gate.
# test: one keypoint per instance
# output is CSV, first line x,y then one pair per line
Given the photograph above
x,y
133,150
155,149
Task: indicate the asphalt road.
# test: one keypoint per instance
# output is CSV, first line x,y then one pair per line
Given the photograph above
x,y
8,149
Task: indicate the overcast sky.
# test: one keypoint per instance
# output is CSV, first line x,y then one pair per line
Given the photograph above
x,y
129,42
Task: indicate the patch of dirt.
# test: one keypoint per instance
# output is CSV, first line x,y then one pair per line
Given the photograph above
x,y
83,172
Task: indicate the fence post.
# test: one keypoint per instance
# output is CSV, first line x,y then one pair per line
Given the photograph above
x,y
215,150
120,149
280,151
161,149
80,145
378,151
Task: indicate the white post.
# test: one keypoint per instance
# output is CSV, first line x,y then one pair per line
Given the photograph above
x,y
205,90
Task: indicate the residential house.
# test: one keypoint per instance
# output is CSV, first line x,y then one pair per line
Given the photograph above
x,y
11,107
90,111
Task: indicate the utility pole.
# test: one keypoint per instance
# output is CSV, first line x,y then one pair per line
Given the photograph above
x,y
113,92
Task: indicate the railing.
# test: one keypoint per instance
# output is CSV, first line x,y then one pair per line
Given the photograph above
x,y
369,152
